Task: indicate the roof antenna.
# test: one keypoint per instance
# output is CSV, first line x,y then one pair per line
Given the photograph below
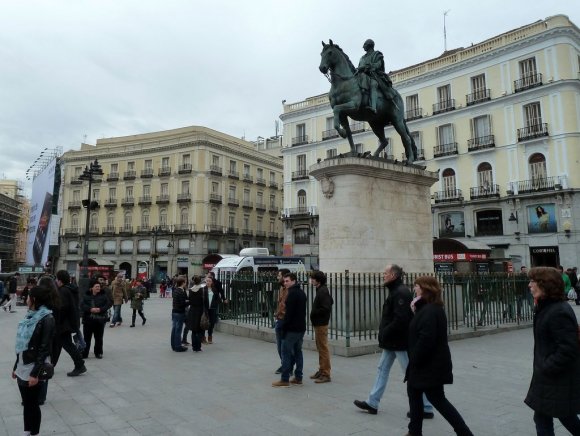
x,y
445,29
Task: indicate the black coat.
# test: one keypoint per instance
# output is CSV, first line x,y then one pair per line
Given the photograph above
x,y
295,316
40,345
198,304
397,314
555,386
429,356
68,313
101,301
321,307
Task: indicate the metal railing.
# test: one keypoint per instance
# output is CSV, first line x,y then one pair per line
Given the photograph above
x,y
184,168
481,143
300,174
444,106
147,173
448,195
533,131
535,185
478,96
164,171
329,134
414,114
484,191
299,140
471,302
445,149
528,82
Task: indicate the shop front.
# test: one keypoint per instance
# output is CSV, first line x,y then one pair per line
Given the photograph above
x,y
451,255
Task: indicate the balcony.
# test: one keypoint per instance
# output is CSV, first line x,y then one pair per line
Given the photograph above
x,y
234,202
273,235
93,231
248,205
162,199
478,96
147,173
298,212
126,230
481,143
261,206
273,184
130,175
215,198
445,149
444,106
109,230
113,177
535,185
184,168
128,201
184,197
145,200
260,234
247,232
215,170
299,140
414,114
260,181
273,209
329,134
111,202
143,229
214,228
488,191
164,171
71,231
448,196
232,231
528,82
75,204
182,228
300,175
533,131
357,127
76,182
420,155
248,178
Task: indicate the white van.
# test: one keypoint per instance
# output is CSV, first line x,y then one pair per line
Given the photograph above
x,y
258,260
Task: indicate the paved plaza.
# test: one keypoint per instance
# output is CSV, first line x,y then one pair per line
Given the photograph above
x,y
141,387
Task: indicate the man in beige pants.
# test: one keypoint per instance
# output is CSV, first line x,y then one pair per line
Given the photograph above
x,y
320,317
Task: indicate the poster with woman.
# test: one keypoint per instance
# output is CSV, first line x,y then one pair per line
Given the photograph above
x,y
542,218
451,224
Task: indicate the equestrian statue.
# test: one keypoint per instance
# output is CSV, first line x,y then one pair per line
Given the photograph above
x,y
366,94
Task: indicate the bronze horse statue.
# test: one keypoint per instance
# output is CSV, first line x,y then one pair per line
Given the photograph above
x,y
346,100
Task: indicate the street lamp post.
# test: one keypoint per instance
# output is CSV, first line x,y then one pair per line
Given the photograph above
x,y
89,173
154,231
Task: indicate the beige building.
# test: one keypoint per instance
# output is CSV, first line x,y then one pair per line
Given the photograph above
x,y
169,199
13,225
500,120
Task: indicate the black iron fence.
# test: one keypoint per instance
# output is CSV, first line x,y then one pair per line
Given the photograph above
x,y
472,302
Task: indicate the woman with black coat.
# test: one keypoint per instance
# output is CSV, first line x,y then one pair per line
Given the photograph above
x,y
430,366
94,309
197,297
33,346
214,298
555,388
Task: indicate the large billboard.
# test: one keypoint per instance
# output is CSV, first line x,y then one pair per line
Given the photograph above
x,y
40,216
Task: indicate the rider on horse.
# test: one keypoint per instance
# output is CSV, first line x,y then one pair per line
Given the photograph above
x,y
373,77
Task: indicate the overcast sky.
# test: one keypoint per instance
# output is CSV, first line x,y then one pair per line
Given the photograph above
x,y
106,68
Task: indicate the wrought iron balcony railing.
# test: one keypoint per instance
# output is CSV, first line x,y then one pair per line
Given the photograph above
x,y
234,175
215,198
533,131
162,199
300,174
445,149
527,82
329,134
184,168
147,173
215,170
299,140
481,143
128,201
183,197
447,196
111,202
145,200
113,177
539,184
414,114
444,106
478,96
487,191
164,171
130,175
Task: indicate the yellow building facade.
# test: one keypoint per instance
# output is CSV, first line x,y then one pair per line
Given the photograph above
x,y
500,120
169,199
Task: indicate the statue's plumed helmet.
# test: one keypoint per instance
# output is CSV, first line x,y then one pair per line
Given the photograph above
x,y
369,42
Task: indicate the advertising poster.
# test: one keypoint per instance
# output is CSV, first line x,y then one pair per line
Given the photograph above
x,y
40,216
542,218
451,224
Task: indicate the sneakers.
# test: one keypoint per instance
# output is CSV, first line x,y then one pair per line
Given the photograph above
x,y
323,379
112,325
77,371
296,381
281,384
364,406
426,415
315,375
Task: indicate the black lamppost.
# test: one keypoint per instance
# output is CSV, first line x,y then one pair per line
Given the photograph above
x,y
89,173
155,231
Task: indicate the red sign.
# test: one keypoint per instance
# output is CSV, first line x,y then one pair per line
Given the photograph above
x,y
452,257
208,266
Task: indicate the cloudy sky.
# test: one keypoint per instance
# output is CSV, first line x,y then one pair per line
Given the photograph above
x,y
71,69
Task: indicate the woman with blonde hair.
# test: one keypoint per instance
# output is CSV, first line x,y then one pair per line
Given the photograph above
x,y
430,366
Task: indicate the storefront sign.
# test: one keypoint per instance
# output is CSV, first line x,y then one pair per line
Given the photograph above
x,y
452,257
543,250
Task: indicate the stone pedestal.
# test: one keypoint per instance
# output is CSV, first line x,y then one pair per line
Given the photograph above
x,y
373,213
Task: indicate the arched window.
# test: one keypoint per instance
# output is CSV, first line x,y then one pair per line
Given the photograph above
x,y
93,221
484,176
184,217
449,183
145,219
302,201
74,221
213,217
110,220
537,166
163,217
128,222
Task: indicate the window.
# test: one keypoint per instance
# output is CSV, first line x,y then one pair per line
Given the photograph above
x,y
76,196
301,236
163,217
232,220
246,170
488,223
302,200
478,86
148,164
74,221
444,96
184,216
215,187
272,226
359,148
232,193
259,198
185,187
96,194
329,123
164,162
131,166
259,226
215,160
528,68
233,166
93,221
445,134
246,195
78,171
145,219
246,222
301,132
128,221
301,162
272,201
272,177
484,176
533,115
331,153
449,183
164,189
110,220
114,167
128,192
213,217
231,248
260,173
481,127
418,139
186,159
537,167
146,190
413,111
112,194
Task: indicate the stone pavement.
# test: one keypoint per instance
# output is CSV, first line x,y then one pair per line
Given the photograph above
x,y
141,387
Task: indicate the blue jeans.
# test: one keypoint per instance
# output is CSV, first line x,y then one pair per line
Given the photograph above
x,y
545,424
177,320
292,355
384,368
116,314
278,331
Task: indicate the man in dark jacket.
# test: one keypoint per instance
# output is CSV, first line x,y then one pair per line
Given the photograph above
x,y
293,328
393,338
178,314
12,289
320,317
67,324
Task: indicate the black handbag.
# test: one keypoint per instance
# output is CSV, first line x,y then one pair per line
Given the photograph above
x,y
204,320
46,371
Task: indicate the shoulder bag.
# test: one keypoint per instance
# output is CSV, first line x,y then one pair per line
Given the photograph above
x,y
204,320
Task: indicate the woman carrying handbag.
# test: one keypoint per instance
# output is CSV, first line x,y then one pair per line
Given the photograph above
x,y
197,297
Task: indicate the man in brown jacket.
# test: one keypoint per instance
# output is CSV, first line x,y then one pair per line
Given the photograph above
x,y
279,314
119,291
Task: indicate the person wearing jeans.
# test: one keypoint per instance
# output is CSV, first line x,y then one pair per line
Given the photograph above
x,y
178,314
279,314
393,338
293,329
119,293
